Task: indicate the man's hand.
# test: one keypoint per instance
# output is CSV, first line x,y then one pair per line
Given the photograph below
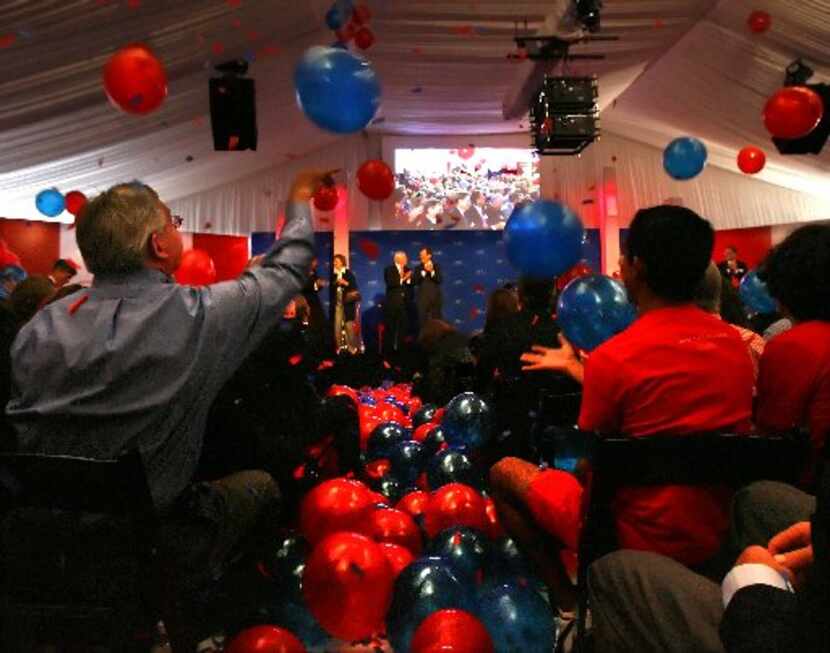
x,y
793,550
308,182
554,360
758,555
429,267
255,262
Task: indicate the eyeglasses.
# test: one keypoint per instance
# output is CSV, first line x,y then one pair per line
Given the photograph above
x,y
176,221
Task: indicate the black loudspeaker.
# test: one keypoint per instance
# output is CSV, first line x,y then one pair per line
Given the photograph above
x,y
813,142
233,113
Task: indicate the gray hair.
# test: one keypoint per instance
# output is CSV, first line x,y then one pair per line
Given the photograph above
x,y
113,230
400,252
709,291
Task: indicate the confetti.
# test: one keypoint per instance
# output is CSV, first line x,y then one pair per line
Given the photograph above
x,y
217,48
658,23
133,4
417,89
269,51
189,158
7,40
463,30
253,35
233,4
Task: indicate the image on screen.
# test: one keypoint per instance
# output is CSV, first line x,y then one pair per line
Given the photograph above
x,y
462,188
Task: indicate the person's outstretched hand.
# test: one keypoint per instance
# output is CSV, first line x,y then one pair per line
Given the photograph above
x,y
308,182
793,550
563,360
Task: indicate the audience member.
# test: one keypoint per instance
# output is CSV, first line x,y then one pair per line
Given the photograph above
x,y
500,304
449,367
731,268
777,327
10,276
62,272
30,296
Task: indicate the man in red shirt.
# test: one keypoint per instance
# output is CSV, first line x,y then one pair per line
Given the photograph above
x,y
675,370
794,377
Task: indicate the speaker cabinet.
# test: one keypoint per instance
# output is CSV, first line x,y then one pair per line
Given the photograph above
x,y
233,113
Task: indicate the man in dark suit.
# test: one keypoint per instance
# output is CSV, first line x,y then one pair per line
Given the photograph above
x,y
475,216
398,278
428,280
731,268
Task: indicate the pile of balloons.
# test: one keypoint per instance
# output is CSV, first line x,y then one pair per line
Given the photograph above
x,y
411,551
351,23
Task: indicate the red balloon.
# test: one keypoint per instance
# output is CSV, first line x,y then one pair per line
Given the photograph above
x,y
394,526
451,631
377,469
751,160
420,434
75,201
326,198
759,21
196,269
134,80
367,425
336,505
454,504
793,112
388,413
364,38
344,391
375,180
581,269
265,639
414,503
439,415
347,586
493,528
398,557
466,153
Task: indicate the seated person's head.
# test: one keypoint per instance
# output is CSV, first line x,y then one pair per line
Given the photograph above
x,y
536,295
10,276
666,254
433,332
501,304
797,273
30,296
62,272
128,228
710,290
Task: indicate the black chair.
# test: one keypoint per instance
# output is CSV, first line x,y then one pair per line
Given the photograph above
x,y
706,459
76,553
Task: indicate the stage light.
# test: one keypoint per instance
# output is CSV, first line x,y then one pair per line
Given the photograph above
x,y
564,116
233,108
588,12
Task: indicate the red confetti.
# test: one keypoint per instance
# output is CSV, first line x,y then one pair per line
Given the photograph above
x,y
463,30
369,248
77,304
217,48
7,40
474,313
478,288
236,23
295,360
269,51
233,3
417,51
133,4
658,23
253,35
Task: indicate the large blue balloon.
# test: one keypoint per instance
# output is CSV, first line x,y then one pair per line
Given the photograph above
x,y
452,466
50,202
407,460
517,617
464,548
383,437
544,239
755,296
338,90
468,421
425,586
593,309
684,158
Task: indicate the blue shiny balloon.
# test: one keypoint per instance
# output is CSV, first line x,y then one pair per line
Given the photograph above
x,y
435,438
684,158
593,309
390,487
50,202
423,415
468,421
293,615
755,295
425,586
285,562
452,466
543,239
407,460
504,560
383,437
337,89
517,617
464,548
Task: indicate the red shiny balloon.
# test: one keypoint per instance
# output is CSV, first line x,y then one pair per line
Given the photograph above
x,y
75,201
364,38
196,269
265,639
326,198
377,469
375,180
793,112
451,631
759,21
347,586
454,504
388,413
414,503
344,391
751,160
493,528
466,153
134,80
420,434
339,504
367,425
395,527
581,269
398,557
439,415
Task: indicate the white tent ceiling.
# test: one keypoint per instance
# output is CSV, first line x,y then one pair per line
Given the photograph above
x,y
679,67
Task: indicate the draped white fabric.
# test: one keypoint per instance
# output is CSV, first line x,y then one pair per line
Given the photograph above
x,y
444,70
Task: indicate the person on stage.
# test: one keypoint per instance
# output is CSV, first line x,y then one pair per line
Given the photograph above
x,y
345,299
317,321
730,267
398,278
427,278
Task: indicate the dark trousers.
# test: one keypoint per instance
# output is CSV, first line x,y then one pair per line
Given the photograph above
x,y
395,321
429,307
642,602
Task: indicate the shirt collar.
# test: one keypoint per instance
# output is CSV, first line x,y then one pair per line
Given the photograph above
x,y
137,279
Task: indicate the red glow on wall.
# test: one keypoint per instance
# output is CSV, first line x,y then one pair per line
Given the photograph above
x,y
36,243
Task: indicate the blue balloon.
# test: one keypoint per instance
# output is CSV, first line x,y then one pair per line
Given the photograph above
x,y
755,296
504,560
293,615
390,487
593,309
435,438
425,586
338,90
285,563
452,466
544,239
407,460
424,414
517,617
465,549
684,158
468,421
383,437
50,202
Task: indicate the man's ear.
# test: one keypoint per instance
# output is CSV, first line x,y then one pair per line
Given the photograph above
x,y
157,250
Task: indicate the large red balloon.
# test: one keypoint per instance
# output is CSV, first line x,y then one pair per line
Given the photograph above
x,y
414,503
336,505
751,160
326,198
196,269
75,201
344,391
451,631
134,80
347,585
793,112
375,180
364,38
393,526
759,21
265,639
398,557
454,504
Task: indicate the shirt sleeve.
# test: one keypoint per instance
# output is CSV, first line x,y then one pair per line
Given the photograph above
x,y
751,574
601,395
781,388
